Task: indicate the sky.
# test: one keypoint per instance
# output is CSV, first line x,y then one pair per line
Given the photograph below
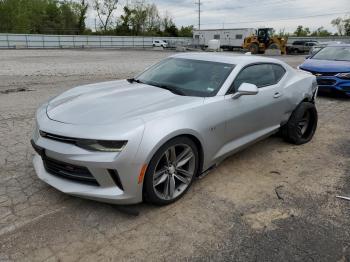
x,y
280,14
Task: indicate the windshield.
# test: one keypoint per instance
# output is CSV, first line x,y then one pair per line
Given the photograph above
x,y
187,77
338,53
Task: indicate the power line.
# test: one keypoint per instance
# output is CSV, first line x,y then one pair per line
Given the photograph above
x,y
282,19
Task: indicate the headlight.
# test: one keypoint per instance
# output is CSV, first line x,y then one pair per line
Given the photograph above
x,y
101,145
343,75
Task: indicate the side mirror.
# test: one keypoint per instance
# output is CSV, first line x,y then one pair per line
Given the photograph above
x,y
245,89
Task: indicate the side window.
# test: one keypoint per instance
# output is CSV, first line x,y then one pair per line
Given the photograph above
x,y
216,36
260,75
239,36
279,72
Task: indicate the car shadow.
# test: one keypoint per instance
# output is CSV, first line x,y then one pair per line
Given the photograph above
x,y
334,94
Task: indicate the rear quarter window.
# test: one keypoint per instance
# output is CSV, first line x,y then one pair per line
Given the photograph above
x,y
279,72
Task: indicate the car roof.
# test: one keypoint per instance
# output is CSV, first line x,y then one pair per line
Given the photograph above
x,y
227,58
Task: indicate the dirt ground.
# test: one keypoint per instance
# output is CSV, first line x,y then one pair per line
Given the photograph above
x,y
270,202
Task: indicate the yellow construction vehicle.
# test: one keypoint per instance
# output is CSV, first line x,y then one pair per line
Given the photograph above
x,y
257,44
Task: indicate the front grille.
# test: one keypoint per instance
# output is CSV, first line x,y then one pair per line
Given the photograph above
x,y
325,82
69,171
346,88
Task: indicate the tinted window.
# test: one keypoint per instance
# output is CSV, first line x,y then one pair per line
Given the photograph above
x,y
239,36
260,75
216,36
336,53
191,77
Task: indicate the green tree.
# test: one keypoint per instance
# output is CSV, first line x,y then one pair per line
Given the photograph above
x,y
80,9
41,16
186,31
321,31
301,31
123,26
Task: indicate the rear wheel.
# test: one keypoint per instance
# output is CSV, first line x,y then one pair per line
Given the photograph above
x,y
171,171
253,48
302,124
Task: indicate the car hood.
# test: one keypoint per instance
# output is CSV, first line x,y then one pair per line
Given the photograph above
x,y
115,101
326,66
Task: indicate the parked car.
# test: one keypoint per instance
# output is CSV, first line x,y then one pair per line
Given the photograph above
x,y
148,137
160,43
301,46
331,66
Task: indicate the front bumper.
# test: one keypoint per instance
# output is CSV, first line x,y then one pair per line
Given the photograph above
x,y
106,190
115,173
333,83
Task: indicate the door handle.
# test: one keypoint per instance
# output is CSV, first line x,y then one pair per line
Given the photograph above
x,y
277,95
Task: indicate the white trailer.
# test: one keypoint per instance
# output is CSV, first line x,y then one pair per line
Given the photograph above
x,y
229,38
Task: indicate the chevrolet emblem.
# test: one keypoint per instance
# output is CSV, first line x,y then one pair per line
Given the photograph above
x,y
318,74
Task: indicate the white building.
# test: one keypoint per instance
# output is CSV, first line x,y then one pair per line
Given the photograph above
x,y
229,38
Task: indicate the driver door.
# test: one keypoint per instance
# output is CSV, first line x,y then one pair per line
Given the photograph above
x,y
250,117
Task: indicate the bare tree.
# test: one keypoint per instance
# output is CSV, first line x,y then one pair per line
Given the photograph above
x,y
105,9
153,18
338,23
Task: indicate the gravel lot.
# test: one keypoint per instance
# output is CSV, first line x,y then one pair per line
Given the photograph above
x,y
270,202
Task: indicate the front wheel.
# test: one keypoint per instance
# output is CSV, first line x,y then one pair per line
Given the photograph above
x,y
253,48
171,171
302,124
274,46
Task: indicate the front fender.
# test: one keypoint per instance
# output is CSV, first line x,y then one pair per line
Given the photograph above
x,y
157,133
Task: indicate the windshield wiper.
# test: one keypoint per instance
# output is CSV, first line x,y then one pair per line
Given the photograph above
x,y
132,80
171,88
175,90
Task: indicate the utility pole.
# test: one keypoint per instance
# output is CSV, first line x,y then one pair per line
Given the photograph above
x,y
199,13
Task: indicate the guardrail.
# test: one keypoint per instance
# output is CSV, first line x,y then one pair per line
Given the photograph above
x,y
19,41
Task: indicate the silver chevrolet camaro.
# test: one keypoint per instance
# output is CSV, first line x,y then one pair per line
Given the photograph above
x,y
147,138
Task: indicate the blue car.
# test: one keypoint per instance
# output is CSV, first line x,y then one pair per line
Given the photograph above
x,y
331,66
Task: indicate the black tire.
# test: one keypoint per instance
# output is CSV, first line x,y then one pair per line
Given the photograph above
x,y
149,194
273,46
253,48
302,124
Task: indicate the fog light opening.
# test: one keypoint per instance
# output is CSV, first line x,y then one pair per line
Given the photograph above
x,y
115,176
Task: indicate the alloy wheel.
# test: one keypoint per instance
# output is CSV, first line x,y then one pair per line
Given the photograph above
x,y
174,171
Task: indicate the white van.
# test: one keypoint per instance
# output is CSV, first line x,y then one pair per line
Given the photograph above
x,y
160,43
